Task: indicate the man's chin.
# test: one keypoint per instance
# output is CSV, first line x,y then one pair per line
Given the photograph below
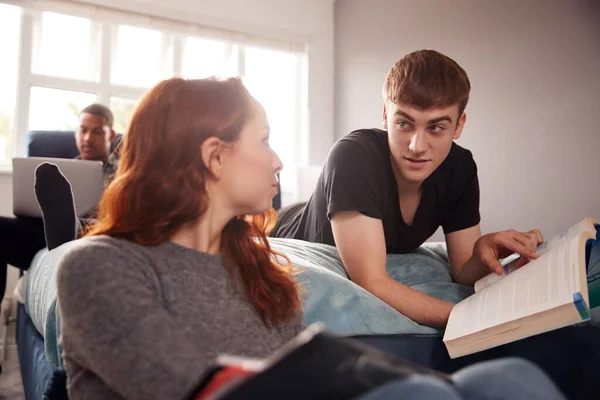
x,y
90,157
416,177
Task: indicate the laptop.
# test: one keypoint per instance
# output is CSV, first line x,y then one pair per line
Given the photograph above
x,y
86,180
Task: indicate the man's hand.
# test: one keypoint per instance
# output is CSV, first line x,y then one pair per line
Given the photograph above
x,y
494,246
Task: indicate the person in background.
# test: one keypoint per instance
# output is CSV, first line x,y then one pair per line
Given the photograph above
x,y
21,238
95,136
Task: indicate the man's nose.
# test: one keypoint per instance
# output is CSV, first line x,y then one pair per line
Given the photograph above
x,y
418,142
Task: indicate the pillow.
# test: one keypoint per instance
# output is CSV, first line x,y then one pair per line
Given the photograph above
x,y
347,309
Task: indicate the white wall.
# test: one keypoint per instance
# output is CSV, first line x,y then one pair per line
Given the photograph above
x,y
533,115
5,193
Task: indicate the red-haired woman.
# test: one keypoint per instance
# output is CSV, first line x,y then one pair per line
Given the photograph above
x,y
176,271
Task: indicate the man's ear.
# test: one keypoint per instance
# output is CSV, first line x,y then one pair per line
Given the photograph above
x,y
112,135
460,125
212,155
385,124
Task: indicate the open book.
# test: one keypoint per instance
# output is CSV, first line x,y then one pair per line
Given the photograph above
x,y
555,290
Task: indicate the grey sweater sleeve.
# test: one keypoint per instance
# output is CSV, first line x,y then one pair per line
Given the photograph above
x,y
141,352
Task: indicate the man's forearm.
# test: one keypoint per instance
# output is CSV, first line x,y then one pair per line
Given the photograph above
x,y
420,307
470,272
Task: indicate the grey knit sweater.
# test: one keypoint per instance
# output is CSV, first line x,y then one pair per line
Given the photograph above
x,y
143,322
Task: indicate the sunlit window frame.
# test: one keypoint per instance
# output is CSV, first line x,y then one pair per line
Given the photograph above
x,y
31,22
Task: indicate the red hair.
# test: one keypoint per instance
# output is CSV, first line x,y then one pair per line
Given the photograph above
x,y
160,185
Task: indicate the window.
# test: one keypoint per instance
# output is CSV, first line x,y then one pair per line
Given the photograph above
x,y
70,57
54,109
10,23
122,110
271,77
204,57
139,58
65,47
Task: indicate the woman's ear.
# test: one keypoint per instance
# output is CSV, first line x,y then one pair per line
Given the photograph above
x,y
212,157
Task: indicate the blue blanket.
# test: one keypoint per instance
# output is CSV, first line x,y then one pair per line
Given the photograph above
x,y
329,295
346,308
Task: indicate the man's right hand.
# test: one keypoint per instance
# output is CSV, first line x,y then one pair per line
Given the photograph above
x,y
360,241
494,246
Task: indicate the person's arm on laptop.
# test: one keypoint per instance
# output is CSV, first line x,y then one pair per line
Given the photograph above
x,y
361,244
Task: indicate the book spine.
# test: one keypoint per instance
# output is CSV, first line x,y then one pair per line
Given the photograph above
x,y
583,309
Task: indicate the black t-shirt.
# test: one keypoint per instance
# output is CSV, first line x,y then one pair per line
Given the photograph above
x,y
358,176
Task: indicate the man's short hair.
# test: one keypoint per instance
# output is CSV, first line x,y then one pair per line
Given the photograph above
x,y
425,79
101,111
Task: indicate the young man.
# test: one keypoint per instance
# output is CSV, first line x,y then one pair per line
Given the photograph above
x,y
94,138
22,238
387,191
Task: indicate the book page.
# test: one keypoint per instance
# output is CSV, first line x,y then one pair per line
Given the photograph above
x,y
563,237
542,284
492,278
552,243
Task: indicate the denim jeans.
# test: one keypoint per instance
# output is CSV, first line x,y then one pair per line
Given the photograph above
x,y
509,378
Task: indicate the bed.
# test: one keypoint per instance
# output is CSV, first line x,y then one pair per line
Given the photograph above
x,y
332,298
569,355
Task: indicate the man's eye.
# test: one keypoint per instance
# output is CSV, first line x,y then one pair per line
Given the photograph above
x,y
437,128
403,125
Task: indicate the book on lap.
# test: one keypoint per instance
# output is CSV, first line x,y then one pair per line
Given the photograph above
x,y
557,289
314,365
